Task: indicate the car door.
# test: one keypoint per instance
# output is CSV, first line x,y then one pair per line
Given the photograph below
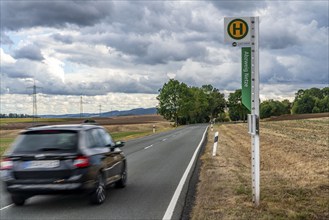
x,y
98,152
115,154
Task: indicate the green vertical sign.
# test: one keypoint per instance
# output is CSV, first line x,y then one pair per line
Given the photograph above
x,y
246,77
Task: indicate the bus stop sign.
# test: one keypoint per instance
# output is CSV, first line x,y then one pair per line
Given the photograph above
x,y
237,30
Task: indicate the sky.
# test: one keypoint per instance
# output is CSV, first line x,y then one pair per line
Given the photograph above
x,y
118,54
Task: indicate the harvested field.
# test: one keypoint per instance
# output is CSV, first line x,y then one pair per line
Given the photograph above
x,y
294,172
297,117
10,124
121,128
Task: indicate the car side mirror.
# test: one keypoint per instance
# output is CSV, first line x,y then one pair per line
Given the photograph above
x,y
119,144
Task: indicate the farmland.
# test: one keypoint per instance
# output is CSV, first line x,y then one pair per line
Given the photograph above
x,y
121,128
294,172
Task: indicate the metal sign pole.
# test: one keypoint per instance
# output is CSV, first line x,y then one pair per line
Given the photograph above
x,y
255,143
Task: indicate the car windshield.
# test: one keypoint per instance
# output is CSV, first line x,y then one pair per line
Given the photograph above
x,y
46,140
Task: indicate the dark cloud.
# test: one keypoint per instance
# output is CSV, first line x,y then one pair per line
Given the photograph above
x,y
25,14
278,39
141,17
136,28
294,67
137,49
12,85
67,39
315,10
275,73
14,73
128,85
130,44
164,52
234,8
30,52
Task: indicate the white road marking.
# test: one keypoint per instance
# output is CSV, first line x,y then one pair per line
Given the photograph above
x,y
173,202
148,147
6,207
164,139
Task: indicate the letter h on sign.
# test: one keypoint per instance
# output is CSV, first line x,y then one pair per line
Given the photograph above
x,y
237,28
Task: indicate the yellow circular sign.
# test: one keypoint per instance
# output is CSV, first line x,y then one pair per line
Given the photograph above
x,y
237,29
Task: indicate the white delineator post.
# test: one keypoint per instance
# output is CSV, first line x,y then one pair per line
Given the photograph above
x,y
214,149
255,143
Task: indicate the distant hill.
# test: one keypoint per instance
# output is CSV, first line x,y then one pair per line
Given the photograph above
x,y
137,111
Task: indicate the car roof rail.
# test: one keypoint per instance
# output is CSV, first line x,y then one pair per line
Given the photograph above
x,y
37,125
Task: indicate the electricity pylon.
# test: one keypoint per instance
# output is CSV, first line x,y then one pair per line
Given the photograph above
x,y
34,96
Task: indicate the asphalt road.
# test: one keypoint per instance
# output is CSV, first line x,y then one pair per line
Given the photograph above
x,y
156,165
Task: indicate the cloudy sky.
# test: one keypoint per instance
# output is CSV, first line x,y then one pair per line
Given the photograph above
x,y
119,53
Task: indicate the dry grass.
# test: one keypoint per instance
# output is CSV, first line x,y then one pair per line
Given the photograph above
x,y
294,173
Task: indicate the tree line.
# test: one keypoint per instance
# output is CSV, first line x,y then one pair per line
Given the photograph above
x,y
15,115
183,104
312,100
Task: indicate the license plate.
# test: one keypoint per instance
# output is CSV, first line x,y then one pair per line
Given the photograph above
x,y
41,164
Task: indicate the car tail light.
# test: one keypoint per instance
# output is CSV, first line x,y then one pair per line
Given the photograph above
x,y
81,161
6,164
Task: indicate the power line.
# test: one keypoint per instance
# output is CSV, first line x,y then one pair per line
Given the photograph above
x,y
81,107
34,94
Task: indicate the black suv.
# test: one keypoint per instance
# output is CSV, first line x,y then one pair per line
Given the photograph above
x,y
63,159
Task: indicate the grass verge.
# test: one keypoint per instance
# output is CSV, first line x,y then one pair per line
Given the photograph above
x,y
294,172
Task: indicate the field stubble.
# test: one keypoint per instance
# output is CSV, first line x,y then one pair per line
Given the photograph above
x,y
294,172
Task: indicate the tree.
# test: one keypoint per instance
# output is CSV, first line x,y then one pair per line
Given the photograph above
x,y
287,106
237,111
299,94
271,107
312,100
322,105
304,105
170,99
201,105
315,92
216,101
184,105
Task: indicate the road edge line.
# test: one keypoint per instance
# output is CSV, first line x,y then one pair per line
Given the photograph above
x,y
6,207
171,207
